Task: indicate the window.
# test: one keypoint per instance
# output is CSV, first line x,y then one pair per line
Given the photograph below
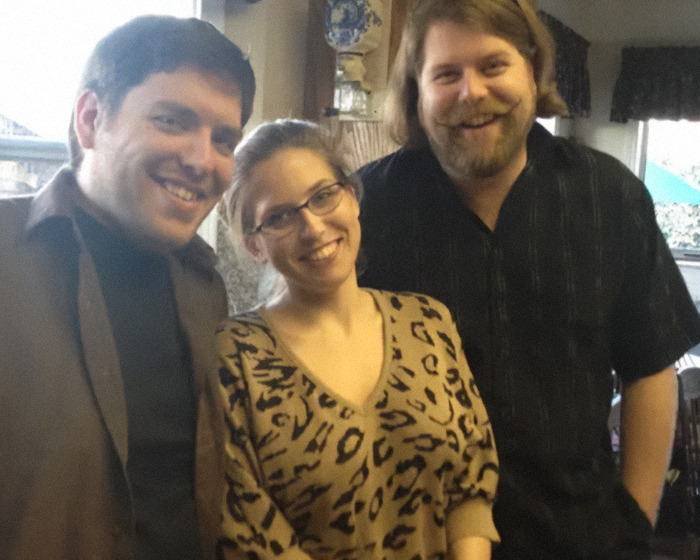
x,y
671,171
41,75
551,124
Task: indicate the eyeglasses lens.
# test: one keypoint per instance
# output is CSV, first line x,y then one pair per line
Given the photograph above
x,y
322,202
325,200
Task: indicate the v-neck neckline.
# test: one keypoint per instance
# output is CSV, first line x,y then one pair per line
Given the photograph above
x,y
380,383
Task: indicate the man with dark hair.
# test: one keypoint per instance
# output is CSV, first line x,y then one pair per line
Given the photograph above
x,y
110,441
548,255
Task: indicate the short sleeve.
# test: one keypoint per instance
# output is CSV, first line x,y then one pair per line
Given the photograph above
x,y
252,524
654,321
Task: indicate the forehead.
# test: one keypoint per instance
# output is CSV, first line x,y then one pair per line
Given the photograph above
x,y
447,41
293,165
200,90
290,173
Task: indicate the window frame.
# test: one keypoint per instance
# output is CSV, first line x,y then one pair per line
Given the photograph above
x,y
35,149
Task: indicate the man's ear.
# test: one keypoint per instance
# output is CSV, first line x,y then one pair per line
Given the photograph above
x,y
252,243
88,109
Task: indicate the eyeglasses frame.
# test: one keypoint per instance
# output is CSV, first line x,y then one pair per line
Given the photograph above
x,y
296,210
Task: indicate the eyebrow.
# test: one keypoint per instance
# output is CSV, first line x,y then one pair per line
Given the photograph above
x,y
191,116
173,107
322,184
479,57
316,187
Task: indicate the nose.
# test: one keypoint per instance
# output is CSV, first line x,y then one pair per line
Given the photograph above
x,y
199,152
310,224
472,87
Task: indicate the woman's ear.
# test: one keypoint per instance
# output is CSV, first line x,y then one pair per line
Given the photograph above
x,y
253,245
355,201
350,184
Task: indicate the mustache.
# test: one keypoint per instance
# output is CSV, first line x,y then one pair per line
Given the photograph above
x,y
464,114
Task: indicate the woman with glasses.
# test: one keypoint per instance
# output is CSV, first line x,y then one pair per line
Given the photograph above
x,y
355,428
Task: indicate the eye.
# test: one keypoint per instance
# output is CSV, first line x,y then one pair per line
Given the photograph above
x,y
168,123
278,219
495,67
225,142
446,76
324,194
326,199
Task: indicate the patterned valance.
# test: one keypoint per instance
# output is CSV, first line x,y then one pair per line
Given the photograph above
x,y
573,80
658,83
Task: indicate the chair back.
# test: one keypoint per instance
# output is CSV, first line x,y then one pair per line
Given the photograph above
x,y
689,419
690,382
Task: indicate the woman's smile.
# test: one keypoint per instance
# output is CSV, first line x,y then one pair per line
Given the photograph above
x,y
324,252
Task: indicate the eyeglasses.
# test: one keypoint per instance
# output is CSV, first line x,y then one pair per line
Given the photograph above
x,y
322,202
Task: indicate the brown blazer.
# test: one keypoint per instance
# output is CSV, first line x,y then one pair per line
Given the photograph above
x,y
63,423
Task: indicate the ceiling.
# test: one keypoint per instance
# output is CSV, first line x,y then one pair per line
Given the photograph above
x,y
630,21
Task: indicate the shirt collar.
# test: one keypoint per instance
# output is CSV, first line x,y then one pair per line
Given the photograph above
x,y
542,145
57,199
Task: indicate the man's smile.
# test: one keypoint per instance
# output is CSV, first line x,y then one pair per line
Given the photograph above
x,y
479,121
181,192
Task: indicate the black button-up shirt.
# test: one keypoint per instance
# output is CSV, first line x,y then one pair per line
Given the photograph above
x,y
576,280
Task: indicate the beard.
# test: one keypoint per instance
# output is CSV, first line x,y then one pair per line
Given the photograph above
x,y
464,157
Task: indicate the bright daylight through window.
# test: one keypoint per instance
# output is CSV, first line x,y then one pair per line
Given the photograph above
x,y
672,175
43,52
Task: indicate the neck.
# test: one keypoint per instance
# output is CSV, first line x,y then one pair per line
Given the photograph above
x,y
340,305
485,195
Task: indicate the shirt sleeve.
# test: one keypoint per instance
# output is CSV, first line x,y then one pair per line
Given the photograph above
x,y
472,488
654,320
252,524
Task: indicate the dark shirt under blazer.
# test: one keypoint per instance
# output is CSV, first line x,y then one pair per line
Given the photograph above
x,y
63,423
575,280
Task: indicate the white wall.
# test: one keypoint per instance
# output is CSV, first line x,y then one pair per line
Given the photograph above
x,y
629,21
597,131
273,32
213,11
611,25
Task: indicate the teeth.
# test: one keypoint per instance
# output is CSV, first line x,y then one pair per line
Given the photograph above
x,y
323,252
181,192
478,121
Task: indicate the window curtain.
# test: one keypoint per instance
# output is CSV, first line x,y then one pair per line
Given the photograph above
x,y
658,83
573,80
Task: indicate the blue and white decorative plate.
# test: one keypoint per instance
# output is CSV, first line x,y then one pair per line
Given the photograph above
x,y
347,20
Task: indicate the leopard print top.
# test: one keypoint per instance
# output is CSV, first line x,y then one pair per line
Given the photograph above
x,y
398,477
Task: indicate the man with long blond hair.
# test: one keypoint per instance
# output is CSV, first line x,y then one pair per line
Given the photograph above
x,y
548,255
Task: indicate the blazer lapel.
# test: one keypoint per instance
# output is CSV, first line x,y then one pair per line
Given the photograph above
x,y
101,356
